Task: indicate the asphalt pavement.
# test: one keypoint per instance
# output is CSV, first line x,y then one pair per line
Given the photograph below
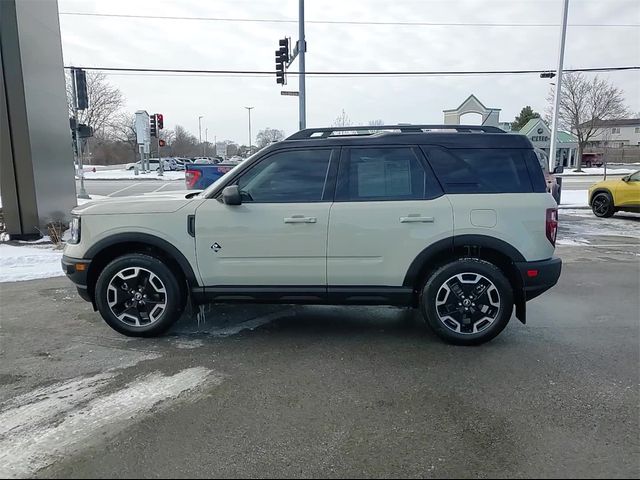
x,y
270,391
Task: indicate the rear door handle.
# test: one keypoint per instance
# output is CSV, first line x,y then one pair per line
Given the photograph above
x,y
414,218
300,219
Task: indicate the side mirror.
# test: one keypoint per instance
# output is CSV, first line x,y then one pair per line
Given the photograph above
x,y
626,178
559,169
231,195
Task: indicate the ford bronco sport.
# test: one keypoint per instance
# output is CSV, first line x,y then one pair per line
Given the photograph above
x,y
454,220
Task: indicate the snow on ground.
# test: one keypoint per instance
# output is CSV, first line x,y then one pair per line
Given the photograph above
x,y
41,426
19,263
574,198
599,171
582,232
130,175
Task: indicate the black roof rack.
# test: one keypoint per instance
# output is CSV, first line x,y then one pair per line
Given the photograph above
x,y
404,128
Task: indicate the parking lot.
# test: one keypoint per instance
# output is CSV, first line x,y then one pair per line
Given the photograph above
x,y
268,391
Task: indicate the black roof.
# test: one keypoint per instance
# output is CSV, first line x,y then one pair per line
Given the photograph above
x,y
450,136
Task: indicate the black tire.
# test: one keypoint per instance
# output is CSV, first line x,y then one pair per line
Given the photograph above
x,y
169,300
449,320
602,205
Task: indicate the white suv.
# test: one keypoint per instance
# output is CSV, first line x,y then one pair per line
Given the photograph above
x,y
455,220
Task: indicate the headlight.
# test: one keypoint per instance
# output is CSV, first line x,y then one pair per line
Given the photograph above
x,y
74,229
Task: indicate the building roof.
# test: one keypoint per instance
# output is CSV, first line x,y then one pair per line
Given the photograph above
x,y
563,136
470,98
566,137
621,122
529,126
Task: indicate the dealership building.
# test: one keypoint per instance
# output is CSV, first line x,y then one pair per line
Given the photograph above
x,y
536,129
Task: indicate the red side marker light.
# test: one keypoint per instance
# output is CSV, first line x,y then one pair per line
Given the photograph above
x,y
532,273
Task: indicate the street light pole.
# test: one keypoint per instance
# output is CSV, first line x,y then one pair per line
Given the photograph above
x,y
302,48
206,140
556,103
250,138
200,132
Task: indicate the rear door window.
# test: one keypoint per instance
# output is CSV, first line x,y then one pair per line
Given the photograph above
x,y
384,174
484,170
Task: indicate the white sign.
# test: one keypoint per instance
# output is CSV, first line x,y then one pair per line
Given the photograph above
x,y
221,149
143,134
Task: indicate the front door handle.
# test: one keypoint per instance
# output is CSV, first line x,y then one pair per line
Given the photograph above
x,y
415,218
300,219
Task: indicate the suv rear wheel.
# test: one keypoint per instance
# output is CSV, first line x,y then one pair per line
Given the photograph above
x,y
467,302
138,296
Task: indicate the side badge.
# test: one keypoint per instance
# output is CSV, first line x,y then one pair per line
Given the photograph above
x,y
216,247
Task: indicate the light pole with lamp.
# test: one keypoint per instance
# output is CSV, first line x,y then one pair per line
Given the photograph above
x,y
249,110
200,132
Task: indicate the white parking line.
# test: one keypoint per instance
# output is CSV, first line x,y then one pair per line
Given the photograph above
x,y
161,187
123,189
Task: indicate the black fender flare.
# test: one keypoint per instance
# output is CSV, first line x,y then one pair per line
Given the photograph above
x,y
449,245
148,239
600,190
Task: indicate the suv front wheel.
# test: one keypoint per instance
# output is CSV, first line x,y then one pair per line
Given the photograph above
x,y
467,302
139,296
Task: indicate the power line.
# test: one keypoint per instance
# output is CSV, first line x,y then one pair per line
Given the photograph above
x,y
347,22
405,73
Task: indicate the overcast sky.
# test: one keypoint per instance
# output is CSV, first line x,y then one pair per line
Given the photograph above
x,y
191,44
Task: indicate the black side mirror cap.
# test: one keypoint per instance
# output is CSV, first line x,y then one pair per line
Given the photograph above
x,y
231,195
559,169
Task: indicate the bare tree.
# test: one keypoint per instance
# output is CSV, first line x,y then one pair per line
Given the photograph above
x,y
342,120
584,103
184,143
268,136
122,128
105,102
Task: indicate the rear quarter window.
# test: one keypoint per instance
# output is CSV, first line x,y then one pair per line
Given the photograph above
x,y
484,170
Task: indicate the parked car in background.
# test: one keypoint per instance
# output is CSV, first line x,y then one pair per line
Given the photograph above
x,y
592,160
611,196
199,176
202,161
168,164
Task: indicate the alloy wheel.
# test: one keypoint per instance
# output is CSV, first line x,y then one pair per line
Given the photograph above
x,y
137,296
468,303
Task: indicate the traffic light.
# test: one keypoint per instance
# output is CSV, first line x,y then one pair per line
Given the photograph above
x,y
154,130
81,88
547,74
282,58
160,121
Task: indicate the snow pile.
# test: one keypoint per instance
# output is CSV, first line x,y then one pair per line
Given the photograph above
x,y
574,198
19,263
130,175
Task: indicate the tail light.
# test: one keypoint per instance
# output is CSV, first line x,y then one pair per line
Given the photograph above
x,y
192,177
552,225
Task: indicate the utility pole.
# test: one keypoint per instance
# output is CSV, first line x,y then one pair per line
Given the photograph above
x,y
302,48
200,132
83,193
249,110
554,124
206,141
